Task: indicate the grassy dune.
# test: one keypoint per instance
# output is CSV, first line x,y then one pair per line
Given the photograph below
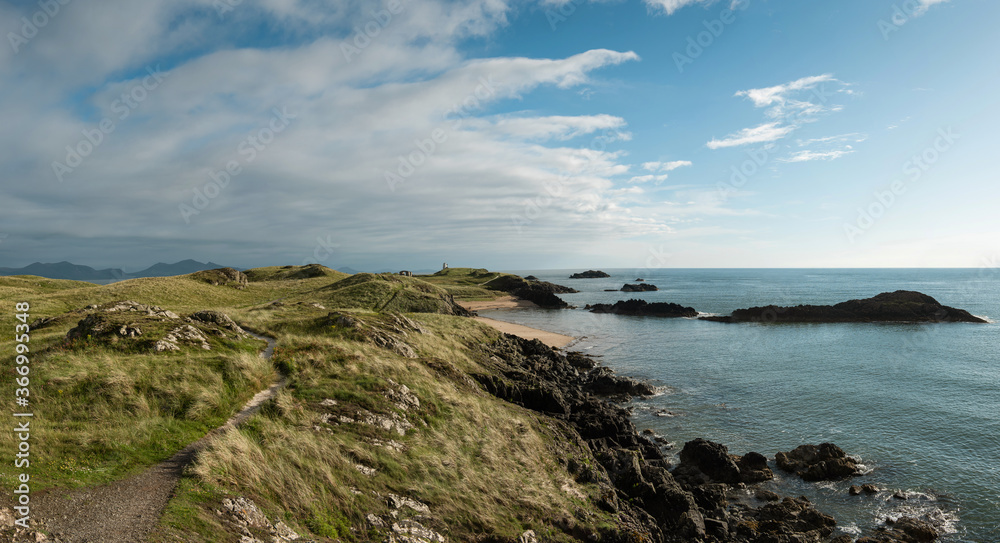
x,y
105,410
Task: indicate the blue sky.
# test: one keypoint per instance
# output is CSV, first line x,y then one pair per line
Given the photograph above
x,y
501,133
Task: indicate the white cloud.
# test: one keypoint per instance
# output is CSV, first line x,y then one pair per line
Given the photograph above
x,y
354,119
806,156
670,6
789,107
649,178
926,5
665,166
760,134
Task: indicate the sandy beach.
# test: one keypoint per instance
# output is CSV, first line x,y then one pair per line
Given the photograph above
x,y
504,302
551,339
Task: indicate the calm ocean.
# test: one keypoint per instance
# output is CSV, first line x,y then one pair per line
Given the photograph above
x,y
919,404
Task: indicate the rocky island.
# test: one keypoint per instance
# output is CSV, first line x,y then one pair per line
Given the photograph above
x,y
642,308
641,287
589,274
900,306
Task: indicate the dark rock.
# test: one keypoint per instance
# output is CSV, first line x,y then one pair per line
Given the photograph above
x,y
541,293
855,490
899,306
754,469
644,287
817,462
869,489
589,274
767,496
531,278
603,382
899,495
711,459
580,361
704,462
643,308
904,530
639,279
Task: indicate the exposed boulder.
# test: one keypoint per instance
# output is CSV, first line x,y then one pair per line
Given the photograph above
x,y
704,462
219,320
589,274
603,382
903,530
643,308
822,462
641,287
229,277
899,306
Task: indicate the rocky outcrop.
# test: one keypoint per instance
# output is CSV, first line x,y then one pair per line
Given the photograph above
x,y
243,516
589,274
649,502
824,462
229,277
387,331
639,287
642,308
132,326
899,306
903,530
603,382
704,462
541,293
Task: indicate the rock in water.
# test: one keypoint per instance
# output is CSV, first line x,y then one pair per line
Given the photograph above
x,y
643,308
899,306
589,274
641,287
824,462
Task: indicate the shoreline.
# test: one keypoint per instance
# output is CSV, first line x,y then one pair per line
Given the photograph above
x,y
552,339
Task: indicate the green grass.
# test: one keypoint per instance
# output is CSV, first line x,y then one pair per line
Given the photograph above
x,y
466,284
107,409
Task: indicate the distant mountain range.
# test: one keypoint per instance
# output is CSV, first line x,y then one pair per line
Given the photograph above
x,y
68,270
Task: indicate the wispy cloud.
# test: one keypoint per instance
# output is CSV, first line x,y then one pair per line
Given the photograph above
x,y
926,5
668,7
789,106
665,166
759,134
806,156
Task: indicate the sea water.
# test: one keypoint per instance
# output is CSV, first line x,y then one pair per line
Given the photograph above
x,y
917,404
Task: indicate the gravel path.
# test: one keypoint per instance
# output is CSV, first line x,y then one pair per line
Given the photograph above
x,y
126,511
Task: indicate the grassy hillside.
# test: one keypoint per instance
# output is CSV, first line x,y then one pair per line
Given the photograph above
x,y
466,284
380,416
